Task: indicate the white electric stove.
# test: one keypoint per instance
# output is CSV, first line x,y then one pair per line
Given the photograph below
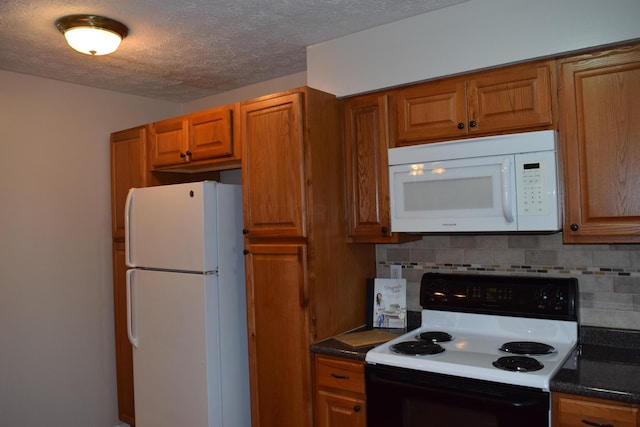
x,y
480,335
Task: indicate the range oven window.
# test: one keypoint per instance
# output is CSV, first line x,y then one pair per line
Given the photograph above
x,y
409,398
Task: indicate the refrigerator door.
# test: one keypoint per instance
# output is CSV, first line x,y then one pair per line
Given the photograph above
x,y
176,357
172,227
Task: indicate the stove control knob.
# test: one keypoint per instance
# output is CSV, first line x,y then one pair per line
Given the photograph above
x,y
560,300
542,298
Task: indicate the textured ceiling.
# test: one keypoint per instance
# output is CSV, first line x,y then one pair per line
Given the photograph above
x,y
185,50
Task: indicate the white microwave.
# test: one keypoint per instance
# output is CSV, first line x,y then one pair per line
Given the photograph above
x,y
492,184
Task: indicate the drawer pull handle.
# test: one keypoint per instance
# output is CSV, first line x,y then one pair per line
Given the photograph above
x,y
591,423
346,377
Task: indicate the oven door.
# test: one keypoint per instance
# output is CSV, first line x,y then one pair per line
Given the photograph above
x,y
407,398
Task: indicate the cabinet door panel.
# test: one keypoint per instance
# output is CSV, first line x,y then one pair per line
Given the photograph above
x,y
169,142
211,134
278,339
339,410
601,100
430,110
517,97
366,140
128,170
273,167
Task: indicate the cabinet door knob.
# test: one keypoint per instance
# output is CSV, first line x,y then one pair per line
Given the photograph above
x,y
356,408
472,124
245,231
574,227
384,230
460,125
189,153
246,252
182,155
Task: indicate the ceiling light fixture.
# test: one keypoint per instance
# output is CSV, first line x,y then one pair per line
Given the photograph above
x,y
92,34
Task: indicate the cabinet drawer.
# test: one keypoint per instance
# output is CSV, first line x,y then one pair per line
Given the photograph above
x,y
340,374
581,412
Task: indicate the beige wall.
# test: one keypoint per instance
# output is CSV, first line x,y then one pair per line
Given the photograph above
x,y
57,363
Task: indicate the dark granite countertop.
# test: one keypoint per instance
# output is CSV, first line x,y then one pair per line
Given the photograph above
x,y
606,365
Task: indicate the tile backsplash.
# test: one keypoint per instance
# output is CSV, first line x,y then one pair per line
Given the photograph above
x,y
608,275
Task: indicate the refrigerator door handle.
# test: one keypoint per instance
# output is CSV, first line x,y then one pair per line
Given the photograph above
x,y
132,339
127,228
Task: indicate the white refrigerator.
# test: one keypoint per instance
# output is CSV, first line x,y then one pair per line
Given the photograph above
x,y
186,306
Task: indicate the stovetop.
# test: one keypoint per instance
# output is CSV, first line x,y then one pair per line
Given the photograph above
x,y
471,354
478,337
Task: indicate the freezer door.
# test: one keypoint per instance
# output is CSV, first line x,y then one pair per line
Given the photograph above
x,y
176,360
172,227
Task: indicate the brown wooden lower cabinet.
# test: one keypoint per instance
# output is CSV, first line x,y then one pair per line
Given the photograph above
x,y
340,393
124,355
279,366
581,411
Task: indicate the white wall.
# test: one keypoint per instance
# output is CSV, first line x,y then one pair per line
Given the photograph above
x,y
57,362
473,35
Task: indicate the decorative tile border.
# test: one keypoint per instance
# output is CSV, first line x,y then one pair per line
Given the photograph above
x,y
536,269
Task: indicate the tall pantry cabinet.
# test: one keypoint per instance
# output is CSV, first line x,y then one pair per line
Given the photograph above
x,y
304,281
128,169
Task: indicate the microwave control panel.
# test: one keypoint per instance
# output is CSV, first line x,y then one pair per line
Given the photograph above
x,y
536,183
532,189
535,201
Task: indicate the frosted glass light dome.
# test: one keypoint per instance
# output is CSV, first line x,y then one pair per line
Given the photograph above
x,y
92,41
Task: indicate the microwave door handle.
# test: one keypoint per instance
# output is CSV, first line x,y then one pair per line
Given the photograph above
x,y
507,206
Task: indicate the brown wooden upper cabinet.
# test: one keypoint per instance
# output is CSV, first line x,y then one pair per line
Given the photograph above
x,y
600,131
366,128
128,169
194,138
274,188
500,100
